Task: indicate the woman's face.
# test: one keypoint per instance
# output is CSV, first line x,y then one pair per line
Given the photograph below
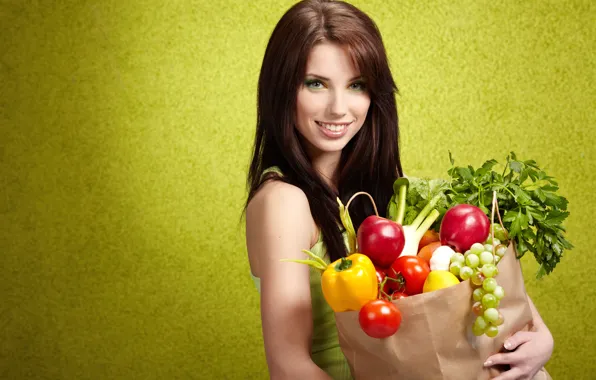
x,y
332,101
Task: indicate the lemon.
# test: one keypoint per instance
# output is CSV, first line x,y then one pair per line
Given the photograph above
x,y
439,279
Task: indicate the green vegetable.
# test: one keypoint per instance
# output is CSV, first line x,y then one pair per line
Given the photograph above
x,y
420,223
531,209
344,215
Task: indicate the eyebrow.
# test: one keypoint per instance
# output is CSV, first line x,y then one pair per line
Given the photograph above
x,y
327,79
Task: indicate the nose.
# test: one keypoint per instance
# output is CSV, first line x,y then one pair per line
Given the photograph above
x,y
337,105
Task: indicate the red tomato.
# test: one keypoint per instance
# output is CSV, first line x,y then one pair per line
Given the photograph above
x,y
398,295
413,270
394,283
379,319
380,275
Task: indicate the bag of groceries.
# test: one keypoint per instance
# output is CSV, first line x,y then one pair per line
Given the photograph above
x,y
435,288
435,339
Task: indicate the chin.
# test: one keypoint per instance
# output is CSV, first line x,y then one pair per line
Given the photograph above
x,y
330,146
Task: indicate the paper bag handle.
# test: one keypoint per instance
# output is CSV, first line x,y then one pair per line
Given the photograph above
x,y
495,205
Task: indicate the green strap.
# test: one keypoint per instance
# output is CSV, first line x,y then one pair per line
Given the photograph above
x,y
273,169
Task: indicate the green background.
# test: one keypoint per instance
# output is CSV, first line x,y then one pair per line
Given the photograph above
x,y
125,133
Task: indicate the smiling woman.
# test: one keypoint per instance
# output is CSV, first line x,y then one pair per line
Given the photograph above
x,y
327,128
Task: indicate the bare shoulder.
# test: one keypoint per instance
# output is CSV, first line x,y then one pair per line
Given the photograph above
x,y
278,217
278,193
278,201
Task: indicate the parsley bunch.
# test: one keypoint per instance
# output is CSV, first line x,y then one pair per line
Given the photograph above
x,y
531,209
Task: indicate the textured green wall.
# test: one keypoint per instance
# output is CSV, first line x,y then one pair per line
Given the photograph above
x,y
125,131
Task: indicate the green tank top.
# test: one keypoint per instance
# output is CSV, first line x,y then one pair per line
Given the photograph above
x,y
325,352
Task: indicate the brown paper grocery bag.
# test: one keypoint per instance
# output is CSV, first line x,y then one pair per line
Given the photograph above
x,y
435,339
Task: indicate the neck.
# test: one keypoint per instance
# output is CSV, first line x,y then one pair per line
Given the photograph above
x,y
326,165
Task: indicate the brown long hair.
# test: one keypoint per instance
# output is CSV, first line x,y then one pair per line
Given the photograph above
x,y
370,161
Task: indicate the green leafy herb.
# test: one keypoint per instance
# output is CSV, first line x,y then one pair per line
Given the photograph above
x,y
531,209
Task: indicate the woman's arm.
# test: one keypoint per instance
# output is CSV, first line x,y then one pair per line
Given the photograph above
x,y
278,226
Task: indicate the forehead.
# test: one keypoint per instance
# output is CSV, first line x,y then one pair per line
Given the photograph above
x,y
332,61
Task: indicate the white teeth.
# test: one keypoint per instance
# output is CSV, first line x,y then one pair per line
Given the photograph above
x,y
333,127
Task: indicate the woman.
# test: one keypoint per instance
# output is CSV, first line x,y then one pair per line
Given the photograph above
x,y
327,126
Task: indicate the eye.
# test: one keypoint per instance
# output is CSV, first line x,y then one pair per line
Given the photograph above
x,y
314,83
358,86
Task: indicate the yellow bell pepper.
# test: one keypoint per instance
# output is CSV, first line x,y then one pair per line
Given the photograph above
x,y
348,283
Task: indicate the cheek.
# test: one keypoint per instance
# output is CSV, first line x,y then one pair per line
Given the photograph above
x,y
361,107
306,105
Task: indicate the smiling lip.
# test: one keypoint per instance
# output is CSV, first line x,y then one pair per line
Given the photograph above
x,y
333,130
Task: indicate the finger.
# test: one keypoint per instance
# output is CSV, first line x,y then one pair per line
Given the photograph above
x,y
513,374
518,339
503,358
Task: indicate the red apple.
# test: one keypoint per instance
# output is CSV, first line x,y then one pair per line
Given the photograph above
x,y
381,239
464,225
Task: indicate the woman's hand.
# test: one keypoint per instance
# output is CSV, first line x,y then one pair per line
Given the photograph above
x,y
528,352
